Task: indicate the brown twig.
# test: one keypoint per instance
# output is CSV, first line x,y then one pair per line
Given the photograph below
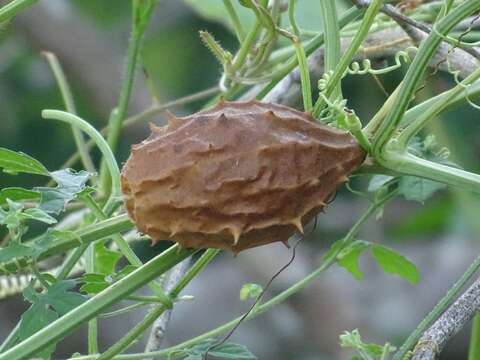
x,y
157,333
448,324
402,19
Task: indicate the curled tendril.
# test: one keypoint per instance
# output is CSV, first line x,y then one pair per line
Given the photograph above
x,y
13,284
366,66
456,76
458,41
323,82
402,57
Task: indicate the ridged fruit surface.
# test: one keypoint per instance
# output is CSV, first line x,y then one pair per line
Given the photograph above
x,y
235,176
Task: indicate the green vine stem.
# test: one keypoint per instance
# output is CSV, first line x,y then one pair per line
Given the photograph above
x,y
471,92
83,236
301,58
347,17
142,11
437,310
329,16
474,348
158,310
414,75
13,8
237,25
416,125
91,308
347,57
70,107
106,151
402,161
126,250
261,308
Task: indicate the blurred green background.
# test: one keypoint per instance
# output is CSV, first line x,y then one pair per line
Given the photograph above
x,y
90,39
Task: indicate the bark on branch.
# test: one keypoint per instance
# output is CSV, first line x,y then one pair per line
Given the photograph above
x,y
450,323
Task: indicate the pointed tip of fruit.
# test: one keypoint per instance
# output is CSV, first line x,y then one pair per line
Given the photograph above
x,y
297,222
154,128
171,118
287,245
236,233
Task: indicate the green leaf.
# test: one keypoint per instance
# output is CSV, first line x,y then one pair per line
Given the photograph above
x,y
393,263
417,189
70,179
17,162
61,299
93,283
214,10
377,181
366,351
38,215
251,291
43,242
232,351
46,307
348,257
105,259
70,183
17,194
224,351
34,319
94,288
14,250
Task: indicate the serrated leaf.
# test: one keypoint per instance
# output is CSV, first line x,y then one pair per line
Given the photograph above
x,y
223,351
105,259
94,288
46,307
393,263
45,241
214,10
17,194
17,162
251,291
348,257
93,283
38,215
35,319
232,351
61,298
70,179
14,250
70,183
353,340
417,189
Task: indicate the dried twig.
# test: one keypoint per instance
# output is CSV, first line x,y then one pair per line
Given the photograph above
x,y
401,19
448,324
157,334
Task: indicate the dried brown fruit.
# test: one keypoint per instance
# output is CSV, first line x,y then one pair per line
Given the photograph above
x,y
235,176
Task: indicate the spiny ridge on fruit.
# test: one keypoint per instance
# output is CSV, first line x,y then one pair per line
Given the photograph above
x,y
236,176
